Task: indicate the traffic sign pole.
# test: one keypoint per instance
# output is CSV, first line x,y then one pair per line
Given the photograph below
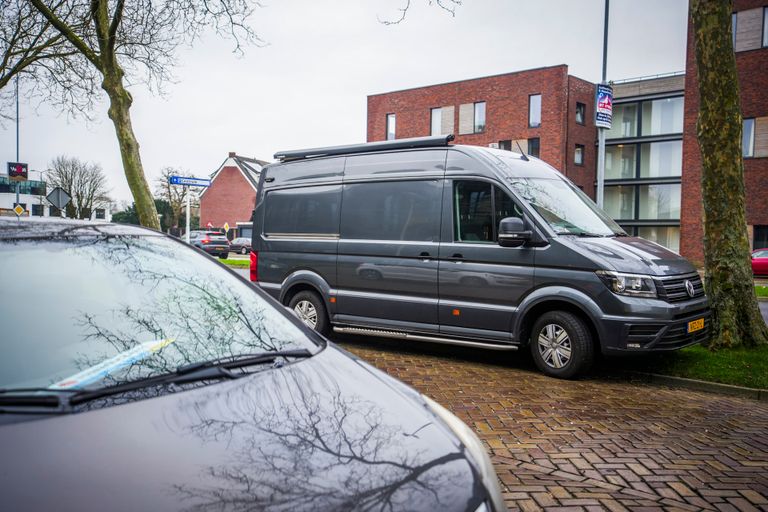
x,y
186,231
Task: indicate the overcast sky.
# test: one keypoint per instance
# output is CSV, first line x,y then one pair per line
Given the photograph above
x,y
308,87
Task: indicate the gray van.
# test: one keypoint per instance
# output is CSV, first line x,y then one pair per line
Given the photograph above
x,y
422,240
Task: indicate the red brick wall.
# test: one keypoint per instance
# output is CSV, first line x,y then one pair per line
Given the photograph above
x,y
506,98
753,84
582,91
230,199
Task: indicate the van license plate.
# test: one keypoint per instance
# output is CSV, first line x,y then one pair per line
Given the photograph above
x,y
695,325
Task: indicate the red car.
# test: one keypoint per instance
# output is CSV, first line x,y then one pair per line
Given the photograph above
x,y
760,262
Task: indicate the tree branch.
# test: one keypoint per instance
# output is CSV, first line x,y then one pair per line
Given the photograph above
x,y
68,33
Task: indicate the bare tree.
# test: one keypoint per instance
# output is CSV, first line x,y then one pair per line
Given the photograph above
x,y
737,319
115,43
446,5
175,195
85,183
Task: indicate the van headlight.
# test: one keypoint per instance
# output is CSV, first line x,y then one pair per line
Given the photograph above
x,y
476,451
633,285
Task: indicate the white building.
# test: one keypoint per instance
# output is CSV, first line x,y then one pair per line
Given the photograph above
x,y
32,197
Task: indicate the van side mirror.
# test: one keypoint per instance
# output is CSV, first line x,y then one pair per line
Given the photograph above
x,y
512,232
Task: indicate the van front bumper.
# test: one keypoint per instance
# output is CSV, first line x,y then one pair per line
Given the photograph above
x,y
639,335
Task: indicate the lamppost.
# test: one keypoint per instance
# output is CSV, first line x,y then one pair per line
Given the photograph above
x,y
601,129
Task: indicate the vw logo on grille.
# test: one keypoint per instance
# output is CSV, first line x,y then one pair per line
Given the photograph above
x,y
689,288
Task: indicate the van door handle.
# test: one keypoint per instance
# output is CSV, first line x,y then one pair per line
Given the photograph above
x,y
457,257
425,256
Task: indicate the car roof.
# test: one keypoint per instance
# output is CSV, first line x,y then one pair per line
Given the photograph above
x,y
47,227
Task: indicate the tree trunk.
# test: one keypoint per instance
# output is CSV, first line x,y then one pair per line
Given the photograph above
x,y
120,101
728,275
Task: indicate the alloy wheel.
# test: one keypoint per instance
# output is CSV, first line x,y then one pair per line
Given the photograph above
x,y
554,346
307,312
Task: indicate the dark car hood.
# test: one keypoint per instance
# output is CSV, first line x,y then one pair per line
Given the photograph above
x,y
630,254
321,434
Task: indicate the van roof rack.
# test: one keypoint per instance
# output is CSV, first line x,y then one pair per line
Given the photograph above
x,y
350,149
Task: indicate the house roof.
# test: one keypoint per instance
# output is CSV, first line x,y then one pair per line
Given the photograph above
x,y
249,167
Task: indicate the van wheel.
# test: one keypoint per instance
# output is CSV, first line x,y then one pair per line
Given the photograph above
x,y
243,251
311,310
561,345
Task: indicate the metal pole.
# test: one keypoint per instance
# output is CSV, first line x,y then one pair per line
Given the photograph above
x,y
601,131
17,124
186,233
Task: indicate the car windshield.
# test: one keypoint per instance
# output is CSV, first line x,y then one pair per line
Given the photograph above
x,y
565,208
91,311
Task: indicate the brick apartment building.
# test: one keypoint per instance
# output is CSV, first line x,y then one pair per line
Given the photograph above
x,y
750,24
547,111
653,164
232,194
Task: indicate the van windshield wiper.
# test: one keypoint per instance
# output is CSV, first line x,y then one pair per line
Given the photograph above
x,y
193,372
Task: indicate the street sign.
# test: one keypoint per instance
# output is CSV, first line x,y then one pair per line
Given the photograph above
x,y
209,225
604,103
190,182
226,227
18,210
58,198
17,171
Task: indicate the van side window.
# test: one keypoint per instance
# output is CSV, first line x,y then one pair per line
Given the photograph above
x,y
478,207
393,210
303,211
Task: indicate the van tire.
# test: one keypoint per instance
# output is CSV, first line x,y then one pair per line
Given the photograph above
x,y
557,335
308,306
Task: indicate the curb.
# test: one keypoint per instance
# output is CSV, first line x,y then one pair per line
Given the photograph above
x,y
761,395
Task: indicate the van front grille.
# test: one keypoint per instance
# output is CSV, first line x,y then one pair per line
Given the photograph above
x,y
675,290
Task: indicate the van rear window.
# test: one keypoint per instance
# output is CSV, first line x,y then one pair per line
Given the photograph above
x,y
303,211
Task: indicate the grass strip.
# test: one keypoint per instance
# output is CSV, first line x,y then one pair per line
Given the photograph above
x,y
237,263
746,367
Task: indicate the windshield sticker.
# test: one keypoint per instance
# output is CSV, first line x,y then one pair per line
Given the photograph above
x,y
104,368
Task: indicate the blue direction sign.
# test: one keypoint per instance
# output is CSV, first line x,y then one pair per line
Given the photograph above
x,y
190,182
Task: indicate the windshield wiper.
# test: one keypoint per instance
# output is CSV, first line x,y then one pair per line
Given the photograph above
x,y
193,372
590,235
49,400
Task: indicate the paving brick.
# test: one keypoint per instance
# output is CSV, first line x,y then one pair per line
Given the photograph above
x,y
560,445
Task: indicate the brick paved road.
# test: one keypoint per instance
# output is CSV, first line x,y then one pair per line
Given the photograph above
x,y
595,444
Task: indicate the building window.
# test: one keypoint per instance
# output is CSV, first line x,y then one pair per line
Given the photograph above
x,y
578,155
581,112
54,212
624,121
479,125
506,145
620,161
760,238
390,126
436,121
533,147
100,213
662,116
748,138
37,210
534,110
659,201
661,159
668,236
765,27
619,202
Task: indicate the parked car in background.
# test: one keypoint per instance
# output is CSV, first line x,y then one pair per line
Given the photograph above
x,y
240,245
422,240
212,242
147,377
760,262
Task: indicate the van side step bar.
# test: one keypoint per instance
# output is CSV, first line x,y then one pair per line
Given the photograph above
x,y
419,337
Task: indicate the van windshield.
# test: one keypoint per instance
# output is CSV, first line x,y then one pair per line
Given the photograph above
x,y
565,208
